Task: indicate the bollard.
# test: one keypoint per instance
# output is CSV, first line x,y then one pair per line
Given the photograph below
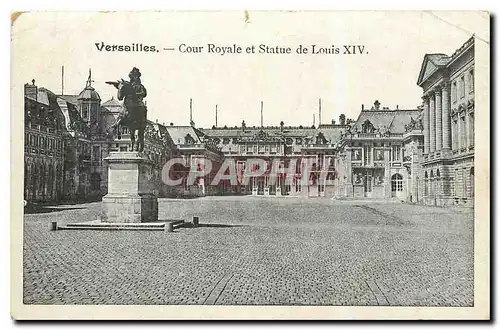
x,y
53,225
196,222
170,227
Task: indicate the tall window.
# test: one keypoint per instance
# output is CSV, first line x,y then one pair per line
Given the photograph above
x,y
464,182
96,153
368,155
85,111
95,181
471,80
397,182
93,112
454,91
462,86
471,179
426,184
454,134
396,153
463,136
456,183
471,128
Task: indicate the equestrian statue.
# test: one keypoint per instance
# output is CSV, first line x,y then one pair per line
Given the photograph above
x,y
133,114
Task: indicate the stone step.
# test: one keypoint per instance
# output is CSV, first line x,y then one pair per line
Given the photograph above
x,y
157,228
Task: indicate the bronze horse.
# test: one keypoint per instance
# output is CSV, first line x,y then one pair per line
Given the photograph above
x,y
133,115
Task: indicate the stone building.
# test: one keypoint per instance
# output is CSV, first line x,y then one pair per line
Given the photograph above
x,y
448,96
67,138
373,158
280,146
44,140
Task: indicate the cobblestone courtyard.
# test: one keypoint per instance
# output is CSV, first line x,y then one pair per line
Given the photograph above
x,y
257,250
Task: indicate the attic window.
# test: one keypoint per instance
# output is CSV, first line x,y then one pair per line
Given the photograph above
x,y
320,138
188,139
367,127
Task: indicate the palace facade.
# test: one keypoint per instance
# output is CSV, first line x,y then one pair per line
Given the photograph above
x,y
67,138
448,111
422,155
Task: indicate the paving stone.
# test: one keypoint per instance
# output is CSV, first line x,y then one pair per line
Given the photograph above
x,y
286,251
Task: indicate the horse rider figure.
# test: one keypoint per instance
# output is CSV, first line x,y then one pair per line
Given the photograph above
x,y
134,110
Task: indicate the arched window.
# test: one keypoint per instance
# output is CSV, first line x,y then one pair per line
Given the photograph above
x,y
438,174
397,182
95,181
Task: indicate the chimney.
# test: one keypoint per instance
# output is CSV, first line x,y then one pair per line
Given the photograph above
x,y
362,107
31,91
282,124
319,110
397,106
342,119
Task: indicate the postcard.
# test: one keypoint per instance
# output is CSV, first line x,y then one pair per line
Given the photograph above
x,y
296,165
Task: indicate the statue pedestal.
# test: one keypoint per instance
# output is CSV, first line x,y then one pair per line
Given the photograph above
x,y
278,191
130,197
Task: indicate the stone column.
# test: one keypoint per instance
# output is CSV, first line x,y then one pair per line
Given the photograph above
x,y
426,124
432,124
446,117
439,122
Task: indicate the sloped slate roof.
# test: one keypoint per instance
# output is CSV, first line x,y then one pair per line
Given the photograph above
x,y
393,120
402,118
331,133
111,103
178,133
70,98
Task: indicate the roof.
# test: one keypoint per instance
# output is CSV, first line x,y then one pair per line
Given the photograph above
x,y
431,64
178,134
392,120
436,61
332,133
89,93
70,98
112,105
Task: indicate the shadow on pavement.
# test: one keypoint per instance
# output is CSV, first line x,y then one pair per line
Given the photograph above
x,y
212,225
47,209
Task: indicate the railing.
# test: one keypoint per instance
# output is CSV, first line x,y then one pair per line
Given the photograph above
x,y
374,135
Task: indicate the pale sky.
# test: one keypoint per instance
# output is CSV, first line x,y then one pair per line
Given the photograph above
x,y
289,85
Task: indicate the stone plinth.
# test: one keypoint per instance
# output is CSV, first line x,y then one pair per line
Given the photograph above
x,y
130,197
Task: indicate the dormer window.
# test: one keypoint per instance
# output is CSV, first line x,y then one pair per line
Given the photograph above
x,y
188,139
320,138
367,127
